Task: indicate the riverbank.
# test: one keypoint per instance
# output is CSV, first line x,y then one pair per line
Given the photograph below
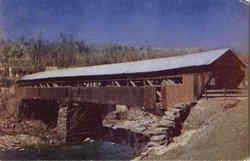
x,y
19,135
215,130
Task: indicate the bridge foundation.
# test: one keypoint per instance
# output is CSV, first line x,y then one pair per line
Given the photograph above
x,y
74,121
85,120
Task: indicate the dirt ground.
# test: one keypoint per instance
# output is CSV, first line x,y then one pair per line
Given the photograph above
x,y
216,129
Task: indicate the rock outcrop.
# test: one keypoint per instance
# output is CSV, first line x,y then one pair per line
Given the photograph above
x,y
169,125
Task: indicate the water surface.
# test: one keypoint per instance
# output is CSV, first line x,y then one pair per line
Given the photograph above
x,y
84,151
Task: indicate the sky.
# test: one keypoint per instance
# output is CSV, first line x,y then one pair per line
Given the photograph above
x,y
159,23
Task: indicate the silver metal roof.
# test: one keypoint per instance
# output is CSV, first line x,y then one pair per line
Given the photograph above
x,y
152,65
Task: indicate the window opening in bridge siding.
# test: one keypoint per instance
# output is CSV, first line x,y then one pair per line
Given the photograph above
x,y
212,83
138,82
173,81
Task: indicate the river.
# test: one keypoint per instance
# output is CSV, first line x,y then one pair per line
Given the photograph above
x,y
84,151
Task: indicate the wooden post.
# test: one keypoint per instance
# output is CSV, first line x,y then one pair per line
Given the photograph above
x,y
158,93
18,110
206,93
150,83
117,84
224,93
132,83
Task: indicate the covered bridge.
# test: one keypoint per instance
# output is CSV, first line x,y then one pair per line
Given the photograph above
x,y
172,80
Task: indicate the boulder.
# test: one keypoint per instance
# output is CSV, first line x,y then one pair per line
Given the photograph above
x,y
158,138
173,114
139,129
121,108
175,110
180,106
154,144
170,117
159,131
146,122
134,126
169,113
166,123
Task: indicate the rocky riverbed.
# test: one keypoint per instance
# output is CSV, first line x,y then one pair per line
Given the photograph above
x,y
159,130
137,130
18,136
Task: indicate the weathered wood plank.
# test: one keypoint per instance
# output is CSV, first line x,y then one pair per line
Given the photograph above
x,y
150,83
131,96
117,84
132,83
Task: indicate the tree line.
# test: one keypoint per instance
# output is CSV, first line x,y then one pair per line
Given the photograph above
x,y
35,54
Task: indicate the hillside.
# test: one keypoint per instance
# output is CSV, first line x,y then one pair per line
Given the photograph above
x,y
215,130
243,58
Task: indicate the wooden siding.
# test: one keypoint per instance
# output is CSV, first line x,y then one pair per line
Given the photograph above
x,y
200,81
131,96
228,72
176,94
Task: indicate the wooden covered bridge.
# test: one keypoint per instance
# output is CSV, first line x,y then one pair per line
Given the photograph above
x,y
152,84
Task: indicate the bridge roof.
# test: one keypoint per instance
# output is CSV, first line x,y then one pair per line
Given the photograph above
x,y
136,67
